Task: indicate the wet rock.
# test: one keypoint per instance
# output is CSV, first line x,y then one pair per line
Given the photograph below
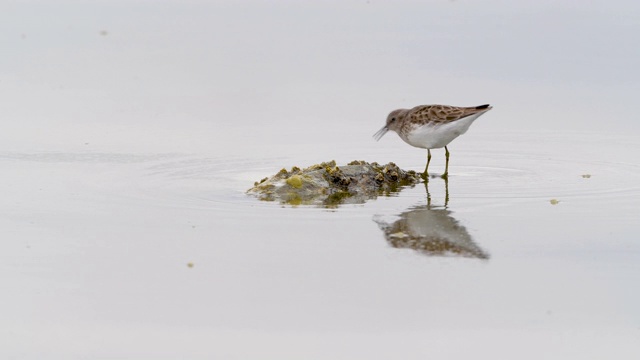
x,y
329,185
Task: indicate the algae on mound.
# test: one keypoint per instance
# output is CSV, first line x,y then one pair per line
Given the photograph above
x,y
330,185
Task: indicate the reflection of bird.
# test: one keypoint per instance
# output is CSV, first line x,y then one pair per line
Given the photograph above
x,y
431,127
431,230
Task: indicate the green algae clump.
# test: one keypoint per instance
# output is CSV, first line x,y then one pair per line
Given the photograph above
x,y
295,181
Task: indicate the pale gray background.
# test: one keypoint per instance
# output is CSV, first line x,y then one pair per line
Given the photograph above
x,y
131,129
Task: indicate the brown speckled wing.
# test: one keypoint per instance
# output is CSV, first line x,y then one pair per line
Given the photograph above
x,y
440,114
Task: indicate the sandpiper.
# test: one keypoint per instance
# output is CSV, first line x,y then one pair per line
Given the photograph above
x,y
431,127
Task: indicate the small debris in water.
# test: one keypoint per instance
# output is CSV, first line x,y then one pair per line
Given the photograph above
x,y
190,264
554,201
586,176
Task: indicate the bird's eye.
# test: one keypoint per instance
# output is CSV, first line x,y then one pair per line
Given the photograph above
x,y
393,119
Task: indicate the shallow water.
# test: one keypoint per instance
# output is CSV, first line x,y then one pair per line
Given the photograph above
x,y
98,245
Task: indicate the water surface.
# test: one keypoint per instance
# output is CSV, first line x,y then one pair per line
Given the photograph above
x,y
102,242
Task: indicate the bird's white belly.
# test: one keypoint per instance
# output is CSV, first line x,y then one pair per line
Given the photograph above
x,y
437,136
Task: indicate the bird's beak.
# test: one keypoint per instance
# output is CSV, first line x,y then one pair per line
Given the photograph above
x,y
380,133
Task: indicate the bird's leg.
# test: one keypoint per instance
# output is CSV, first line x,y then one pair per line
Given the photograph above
x,y
446,167
425,174
446,192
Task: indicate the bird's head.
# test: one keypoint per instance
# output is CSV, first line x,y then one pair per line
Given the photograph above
x,y
394,121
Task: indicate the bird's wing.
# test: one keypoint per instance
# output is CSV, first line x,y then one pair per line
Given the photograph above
x,y
442,114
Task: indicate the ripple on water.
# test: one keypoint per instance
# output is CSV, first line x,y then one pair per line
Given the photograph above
x,y
515,176
504,172
86,157
527,176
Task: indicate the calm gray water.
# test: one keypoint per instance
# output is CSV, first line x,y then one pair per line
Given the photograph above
x,y
131,132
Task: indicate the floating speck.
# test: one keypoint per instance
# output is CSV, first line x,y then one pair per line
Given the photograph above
x,y
190,264
554,201
104,32
586,176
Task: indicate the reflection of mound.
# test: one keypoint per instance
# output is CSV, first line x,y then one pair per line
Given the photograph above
x,y
431,231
